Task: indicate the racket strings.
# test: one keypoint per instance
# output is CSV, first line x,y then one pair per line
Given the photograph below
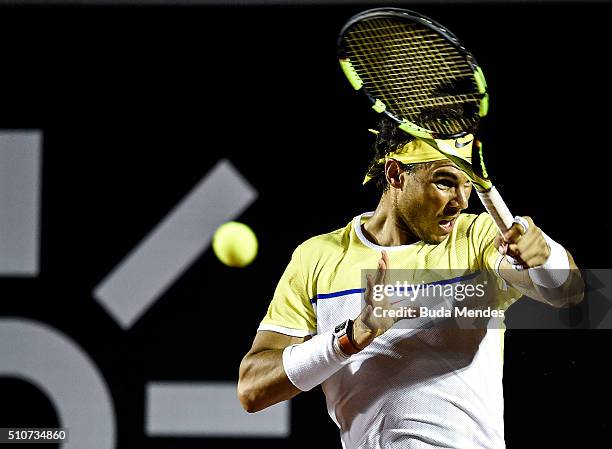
x,y
416,73
425,53
394,49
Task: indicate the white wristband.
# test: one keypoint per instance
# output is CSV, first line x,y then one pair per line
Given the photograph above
x,y
555,271
310,363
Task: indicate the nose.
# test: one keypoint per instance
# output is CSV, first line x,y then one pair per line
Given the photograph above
x,y
460,200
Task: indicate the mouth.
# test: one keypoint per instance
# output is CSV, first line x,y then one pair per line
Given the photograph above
x,y
447,224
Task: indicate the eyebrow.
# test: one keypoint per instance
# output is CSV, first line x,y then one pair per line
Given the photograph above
x,y
445,172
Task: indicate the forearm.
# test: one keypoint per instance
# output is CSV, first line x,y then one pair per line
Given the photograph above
x,y
570,293
263,381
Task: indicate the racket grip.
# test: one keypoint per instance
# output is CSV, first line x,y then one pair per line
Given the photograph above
x,y
496,207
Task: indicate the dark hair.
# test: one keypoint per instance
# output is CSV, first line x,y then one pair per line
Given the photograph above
x,y
388,139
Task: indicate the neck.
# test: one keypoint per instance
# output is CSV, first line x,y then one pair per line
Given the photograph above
x,y
386,227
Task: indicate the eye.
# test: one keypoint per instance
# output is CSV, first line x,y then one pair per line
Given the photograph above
x,y
444,184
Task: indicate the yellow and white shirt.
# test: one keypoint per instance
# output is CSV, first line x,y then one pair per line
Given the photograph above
x,y
409,389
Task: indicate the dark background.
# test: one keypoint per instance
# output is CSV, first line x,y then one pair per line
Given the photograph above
x,y
136,104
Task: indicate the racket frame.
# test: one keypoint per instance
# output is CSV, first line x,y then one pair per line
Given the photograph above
x,y
488,194
399,13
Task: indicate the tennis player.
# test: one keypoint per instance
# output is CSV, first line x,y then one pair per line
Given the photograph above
x,y
387,386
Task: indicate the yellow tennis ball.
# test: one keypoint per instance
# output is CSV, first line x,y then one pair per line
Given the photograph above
x,y
235,244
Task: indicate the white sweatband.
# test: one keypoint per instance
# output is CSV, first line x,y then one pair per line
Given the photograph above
x,y
555,271
310,363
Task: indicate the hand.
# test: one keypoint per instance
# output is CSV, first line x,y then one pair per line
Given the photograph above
x,y
529,248
371,322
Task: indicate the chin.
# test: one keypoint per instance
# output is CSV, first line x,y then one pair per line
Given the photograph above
x,y
436,239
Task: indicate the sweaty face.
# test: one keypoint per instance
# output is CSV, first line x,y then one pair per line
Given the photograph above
x,y
430,200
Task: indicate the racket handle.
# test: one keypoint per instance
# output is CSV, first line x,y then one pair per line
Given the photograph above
x,y
496,207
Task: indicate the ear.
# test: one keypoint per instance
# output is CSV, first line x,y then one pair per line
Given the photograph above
x,y
393,173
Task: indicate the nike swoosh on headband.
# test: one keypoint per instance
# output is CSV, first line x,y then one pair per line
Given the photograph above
x,y
461,145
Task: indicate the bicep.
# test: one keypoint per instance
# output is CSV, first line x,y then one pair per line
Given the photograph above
x,y
262,379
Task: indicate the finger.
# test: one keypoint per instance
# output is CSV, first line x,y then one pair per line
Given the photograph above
x,y
524,242
513,234
380,272
367,312
531,259
524,223
385,258
533,239
500,244
536,254
528,241
368,297
513,250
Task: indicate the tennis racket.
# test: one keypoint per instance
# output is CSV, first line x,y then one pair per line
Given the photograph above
x,y
417,72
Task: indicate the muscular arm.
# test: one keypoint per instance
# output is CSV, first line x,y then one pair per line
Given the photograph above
x,y
568,294
262,380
